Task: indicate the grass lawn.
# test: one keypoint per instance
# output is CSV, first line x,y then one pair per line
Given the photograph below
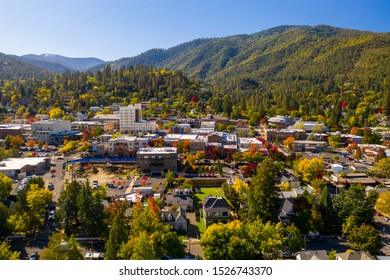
x,y
200,194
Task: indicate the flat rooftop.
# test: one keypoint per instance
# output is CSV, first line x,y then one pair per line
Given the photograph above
x,y
19,163
159,150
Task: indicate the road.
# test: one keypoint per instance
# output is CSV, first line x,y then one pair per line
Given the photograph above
x,y
57,180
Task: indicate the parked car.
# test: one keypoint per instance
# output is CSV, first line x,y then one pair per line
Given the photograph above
x,y
52,215
34,256
50,187
52,175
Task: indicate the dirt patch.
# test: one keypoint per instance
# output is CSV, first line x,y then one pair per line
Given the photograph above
x,y
118,174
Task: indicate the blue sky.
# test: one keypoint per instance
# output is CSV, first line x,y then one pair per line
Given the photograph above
x,y
113,29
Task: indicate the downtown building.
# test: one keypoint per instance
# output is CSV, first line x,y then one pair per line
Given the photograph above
x,y
130,120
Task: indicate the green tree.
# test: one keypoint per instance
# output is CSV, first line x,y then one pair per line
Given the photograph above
x,y
334,141
230,128
61,247
145,223
227,242
327,212
170,178
306,214
268,239
90,212
6,253
5,186
117,236
68,208
220,127
263,195
366,238
4,215
356,202
294,238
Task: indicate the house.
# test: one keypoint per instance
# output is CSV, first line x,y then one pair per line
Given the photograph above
x,y
312,255
349,256
291,180
177,219
180,198
286,211
215,210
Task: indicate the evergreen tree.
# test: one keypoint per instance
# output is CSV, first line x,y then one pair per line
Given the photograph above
x,y
263,201
118,235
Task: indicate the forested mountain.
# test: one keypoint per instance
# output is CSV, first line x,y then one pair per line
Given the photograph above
x,y
12,67
282,52
59,64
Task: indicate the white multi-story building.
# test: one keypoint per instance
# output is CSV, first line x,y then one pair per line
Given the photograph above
x,y
126,146
42,130
131,120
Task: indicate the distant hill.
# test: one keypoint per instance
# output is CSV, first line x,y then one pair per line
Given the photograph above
x,y
292,52
59,64
12,67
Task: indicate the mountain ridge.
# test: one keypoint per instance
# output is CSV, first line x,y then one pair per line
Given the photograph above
x,y
275,51
58,63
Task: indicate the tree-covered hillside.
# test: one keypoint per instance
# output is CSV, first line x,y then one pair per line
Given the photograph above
x,y
294,52
12,67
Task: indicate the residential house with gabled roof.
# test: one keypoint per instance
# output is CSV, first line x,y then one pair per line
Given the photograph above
x,y
312,255
177,219
215,210
349,256
286,211
180,198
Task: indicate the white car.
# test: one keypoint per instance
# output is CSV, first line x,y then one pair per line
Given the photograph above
x,y
52,215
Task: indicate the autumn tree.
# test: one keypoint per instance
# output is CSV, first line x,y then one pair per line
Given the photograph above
x,y
31,143
5,186
383,203
309,169
6,253
381,168
289,143
56,113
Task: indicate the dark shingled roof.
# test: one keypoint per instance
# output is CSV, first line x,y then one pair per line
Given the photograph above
x,y
215,204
